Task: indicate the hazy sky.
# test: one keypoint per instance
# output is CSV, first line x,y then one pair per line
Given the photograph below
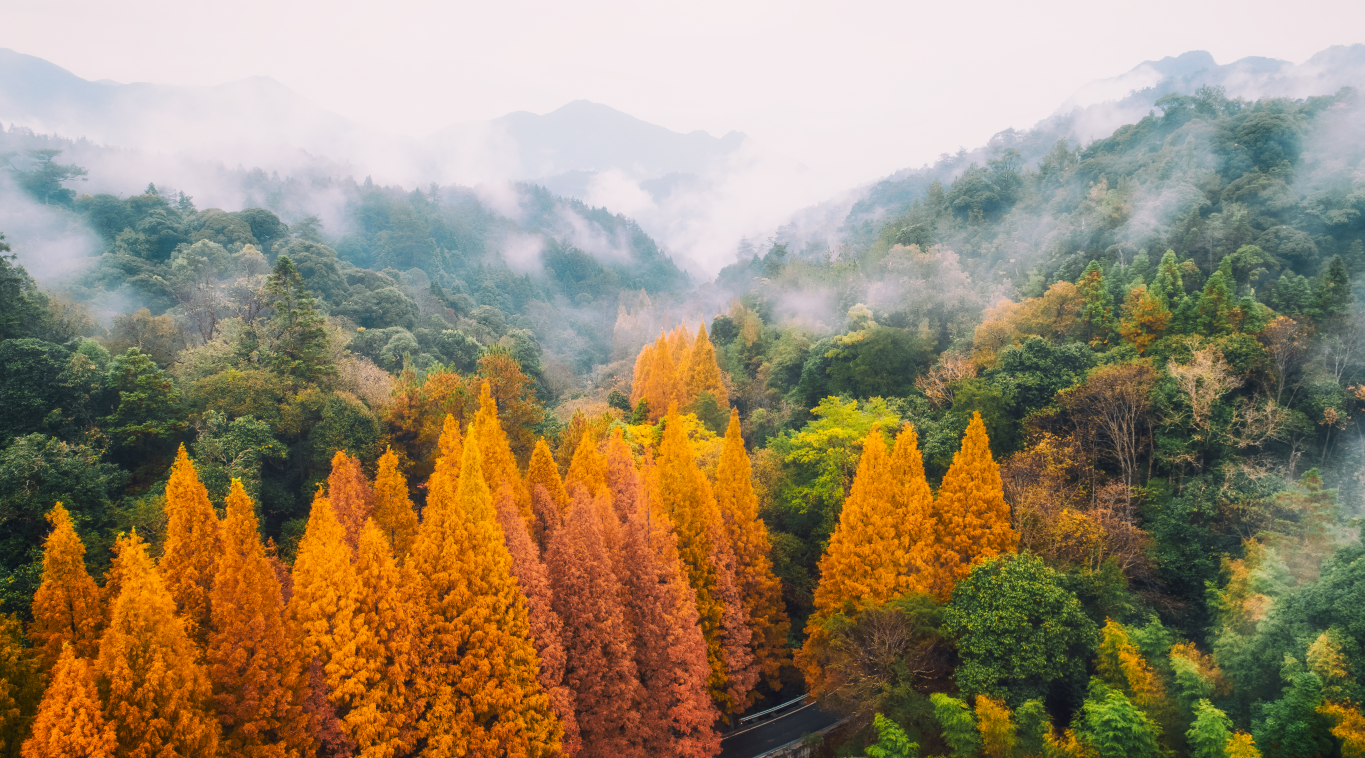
x,y
853,89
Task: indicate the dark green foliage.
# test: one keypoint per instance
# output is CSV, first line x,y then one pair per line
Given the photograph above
x,y
39,175
297,342
148,415
32,387
23,308
620,402
1021,636
1037,370
225,450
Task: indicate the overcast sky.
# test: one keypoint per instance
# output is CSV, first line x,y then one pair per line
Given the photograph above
x,y
853,89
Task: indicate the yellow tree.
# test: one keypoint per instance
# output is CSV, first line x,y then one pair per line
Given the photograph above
x,y
351,497
759,588
543,471
680,351
663,387
703,373
971,515
498,464
66,607
382,719
21,684
481,687
70,722
447,471
927,566
393,511
588,468
155,693
192,545
254,663
639,380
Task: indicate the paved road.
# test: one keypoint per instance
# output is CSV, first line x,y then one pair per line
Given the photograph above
x,y
784,727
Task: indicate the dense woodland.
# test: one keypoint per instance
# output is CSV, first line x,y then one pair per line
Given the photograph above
x,y
1053,454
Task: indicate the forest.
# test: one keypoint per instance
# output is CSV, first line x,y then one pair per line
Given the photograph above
x,y
1054,451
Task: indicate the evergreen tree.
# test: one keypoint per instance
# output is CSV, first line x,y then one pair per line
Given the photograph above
x,y
70,722
760,590
297,344
1167,285
155,693
703,373
384,704
1097,312
66,607
481,688
972,517
599,656
1210,733
1218,312
1334,296
546,627
193,542
350,495
542,471
258,677
393,511
677,715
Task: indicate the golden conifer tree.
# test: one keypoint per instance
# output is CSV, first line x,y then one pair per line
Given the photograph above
x,y
684,496
925,561
447,471
663,387
382,716
70,721
588,468
972,518
192,545
21,684
639,380
703,373
680,352
66,607
759,588
393,511
623,478
156,695
482,692
254,662
543,471
350,494
498,464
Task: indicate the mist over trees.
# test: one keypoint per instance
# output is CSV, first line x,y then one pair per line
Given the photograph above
x,y
1054,452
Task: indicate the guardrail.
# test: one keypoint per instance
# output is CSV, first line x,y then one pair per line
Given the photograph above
x,y
799,748
756,716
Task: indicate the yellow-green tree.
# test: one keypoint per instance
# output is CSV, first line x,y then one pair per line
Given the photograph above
x,y
543,471
66,607
972,518
192,545
254,662
154,691
393,511
481,687
759,588
70,721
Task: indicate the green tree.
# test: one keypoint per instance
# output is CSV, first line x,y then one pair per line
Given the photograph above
x,y
892,741
296,343
1209,734
958,724
1097,313
42,178
225,450
22,305
148,415
1019,631
30,386
1111,726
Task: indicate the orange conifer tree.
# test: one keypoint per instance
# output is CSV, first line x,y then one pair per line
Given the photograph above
x,y
639,380
925,560
254,662
446,473
623,479
66,607
155,694
548,516
599,657
546,627
543,471
482,691
684,495
351,496
677,716
393,511
190,555
703,373
741,669
680,352
384,703
588,468
759,588
972,518
498,464
21,684
70,722
663,387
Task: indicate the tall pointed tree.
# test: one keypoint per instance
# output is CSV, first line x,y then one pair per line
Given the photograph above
x,y
748,536
385,704
703,373
542,471
741,669
193,539
155,694
498,464
588,468
393,512
623,478
351,496
926,562
254,662
663,388
680,351
599,657
546,626
21,684
677,716
639,379
70,721
446,473
971,515
66,607
548,516
482,691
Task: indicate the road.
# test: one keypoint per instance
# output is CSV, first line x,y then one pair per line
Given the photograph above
x,y
783,728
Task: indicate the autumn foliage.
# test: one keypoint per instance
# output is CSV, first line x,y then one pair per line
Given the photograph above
x,y
676,369
66,607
